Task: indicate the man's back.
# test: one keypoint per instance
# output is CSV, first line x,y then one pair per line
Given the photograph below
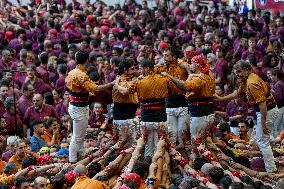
x,y
84,182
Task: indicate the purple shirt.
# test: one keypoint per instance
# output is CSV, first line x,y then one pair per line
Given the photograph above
x,y
221,67
278,90
32,114
7,155
2,108
61,109
43,73
60,82
258,55
41,87
234,109
95,122
11,127
15,44
24,104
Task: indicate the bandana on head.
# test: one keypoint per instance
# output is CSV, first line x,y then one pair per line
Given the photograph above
x,y
200,61
70,177
133,177
190,54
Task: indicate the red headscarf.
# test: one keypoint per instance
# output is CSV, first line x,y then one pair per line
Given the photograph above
x,y
70,177
41,160
201,63
133,177
190,54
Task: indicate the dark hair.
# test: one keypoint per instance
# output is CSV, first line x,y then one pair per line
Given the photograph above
x,y
279,73
81,57
252,59
247,180
25,86
199,162
225,182
190,182
43,57
140,168
216,174
48,97
4,83
49,122
94,76
28,45
124,65
18,181
177,179
116,60
237,185
35,123
28,161
58,181
224,126
147,64
62,68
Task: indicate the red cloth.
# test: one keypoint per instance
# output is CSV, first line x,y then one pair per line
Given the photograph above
x,y
200,61
163,45
133,177
9,35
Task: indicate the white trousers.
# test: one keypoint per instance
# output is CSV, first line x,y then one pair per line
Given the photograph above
x,y
131,126
177,120
80,117
198,125
151,129
279,123
263,140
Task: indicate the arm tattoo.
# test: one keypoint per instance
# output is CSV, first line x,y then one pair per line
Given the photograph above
x,y
179,83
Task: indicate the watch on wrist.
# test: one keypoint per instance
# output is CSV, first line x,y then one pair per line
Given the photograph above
x,y
150,181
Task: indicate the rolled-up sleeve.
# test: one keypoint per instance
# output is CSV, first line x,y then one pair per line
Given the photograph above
x,y
256,92
193,84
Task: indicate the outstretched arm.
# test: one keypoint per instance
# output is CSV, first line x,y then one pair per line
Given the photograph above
x,y
179,83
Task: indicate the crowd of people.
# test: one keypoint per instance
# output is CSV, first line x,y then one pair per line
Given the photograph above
x,y
183,95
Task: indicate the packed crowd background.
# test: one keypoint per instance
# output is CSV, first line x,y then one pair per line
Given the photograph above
x,y
43,41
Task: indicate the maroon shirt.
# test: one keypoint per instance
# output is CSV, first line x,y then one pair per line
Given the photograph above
x,y
61,109
95,122
32,114
43,73
24,104
41,87
2,108
11,127
60,82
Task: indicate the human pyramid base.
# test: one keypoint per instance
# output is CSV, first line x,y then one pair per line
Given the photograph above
x,y
200,164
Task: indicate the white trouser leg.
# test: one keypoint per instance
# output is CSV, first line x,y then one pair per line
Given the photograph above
x,y
263,139
80,117
172,122
279,123
177,119
152,137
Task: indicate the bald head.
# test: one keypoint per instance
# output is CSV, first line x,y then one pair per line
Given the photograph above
x,y
40,183
38,101
81,170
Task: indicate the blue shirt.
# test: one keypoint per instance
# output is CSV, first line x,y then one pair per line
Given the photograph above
x,y
37,143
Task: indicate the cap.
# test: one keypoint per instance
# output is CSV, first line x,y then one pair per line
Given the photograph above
x,y
133,177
